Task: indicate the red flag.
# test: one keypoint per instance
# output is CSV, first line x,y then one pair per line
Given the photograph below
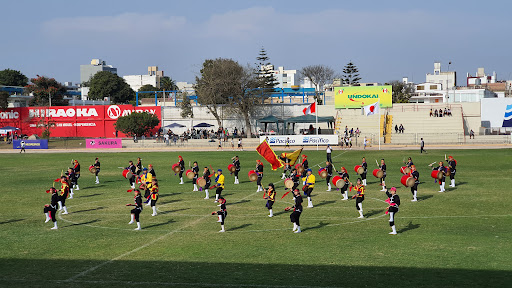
x,y
310,109
268,154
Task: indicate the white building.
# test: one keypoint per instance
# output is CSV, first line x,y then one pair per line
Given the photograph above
x,y
97,65
433,93
152,78
480,78
447,79
285,78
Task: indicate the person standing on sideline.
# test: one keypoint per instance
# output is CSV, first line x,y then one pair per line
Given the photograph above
x,y
22,145
394,203
329,151
97,165
240,147
422,146
297,210
365,142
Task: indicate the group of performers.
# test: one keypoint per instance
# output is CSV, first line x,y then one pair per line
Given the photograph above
x,y
302,173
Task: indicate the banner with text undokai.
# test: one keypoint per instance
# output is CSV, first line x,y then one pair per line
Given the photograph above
x,y
359,96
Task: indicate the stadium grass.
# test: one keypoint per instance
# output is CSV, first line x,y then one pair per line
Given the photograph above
x,y
460,238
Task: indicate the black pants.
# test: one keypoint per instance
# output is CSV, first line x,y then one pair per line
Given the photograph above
x,y
223,215
136,212
219,190
146,193
394,210
236,173
414,188
308,192
181,173
344,188
328,179
97,171
452,176
258,181
329,157
153,202
269,205
421,149
62,199
295,185
383,178
363,176
132,180
194,180
294,217
359,200
52,212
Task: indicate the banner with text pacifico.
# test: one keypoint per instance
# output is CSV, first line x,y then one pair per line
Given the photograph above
x,y
359,96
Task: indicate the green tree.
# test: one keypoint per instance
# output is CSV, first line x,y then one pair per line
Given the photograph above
x,y
266,79
318,75
10,77
148,87
106,84
214,85
4,96
44,88
167,84
137,123
47,124
401,92
350,74
185,106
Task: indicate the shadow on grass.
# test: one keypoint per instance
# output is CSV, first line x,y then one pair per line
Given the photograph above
x,y
92,195
325,203
167,195
458,184
216,273
374,212
82,223
239,227
172,211
320,225
87,210
409,227
170,201
11,221
281,212
424,197
239,202
160,224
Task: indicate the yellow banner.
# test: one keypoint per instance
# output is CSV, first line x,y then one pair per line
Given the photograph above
x,y
359,96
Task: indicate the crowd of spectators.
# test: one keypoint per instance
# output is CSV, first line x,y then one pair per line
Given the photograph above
x,y
440,113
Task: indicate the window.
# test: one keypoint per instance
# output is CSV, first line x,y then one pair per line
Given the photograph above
x,y
433,87
420,87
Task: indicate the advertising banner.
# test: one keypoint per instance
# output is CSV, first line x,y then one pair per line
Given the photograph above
x,y
496,112
359,96
72,121
31,144
103,143
301,140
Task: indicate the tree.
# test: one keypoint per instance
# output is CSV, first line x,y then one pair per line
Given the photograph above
x,y
4,96
350,74
266,79
106,84
184,104
148,87
245,97
137,123
47,124
43,88
167,84
214,85
10,77
401,92
318,75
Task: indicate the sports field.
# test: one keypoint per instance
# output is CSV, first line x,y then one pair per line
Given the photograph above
x,y
460,238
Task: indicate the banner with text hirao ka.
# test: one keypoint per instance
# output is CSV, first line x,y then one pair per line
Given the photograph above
x,y
359,96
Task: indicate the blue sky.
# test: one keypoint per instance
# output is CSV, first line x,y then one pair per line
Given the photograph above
x,y
385,39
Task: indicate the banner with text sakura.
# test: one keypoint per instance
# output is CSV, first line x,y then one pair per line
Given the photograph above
x,y
299,140
359,96
72,121
103,143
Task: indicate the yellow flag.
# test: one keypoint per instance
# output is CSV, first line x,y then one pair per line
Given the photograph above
x,y
292,156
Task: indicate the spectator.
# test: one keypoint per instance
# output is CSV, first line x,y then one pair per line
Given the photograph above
x,y
431,113
166,138
401,129
435,113
358,132
319,130
471,134
449,112
440,112
396,128
352,132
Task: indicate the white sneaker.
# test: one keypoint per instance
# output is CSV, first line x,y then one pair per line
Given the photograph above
x,y
222,231
54,228
344,199
137,228
63,213
154,214
77,188
414,200
149,203
47,220
206,198
360,217
310,205
269,215
131,222
440,191
383,190
392,233
216,201
70,197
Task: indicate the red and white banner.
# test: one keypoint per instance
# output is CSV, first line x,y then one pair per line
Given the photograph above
x,y
72,121
310,109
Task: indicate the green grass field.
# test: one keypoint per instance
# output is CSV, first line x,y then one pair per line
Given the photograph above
x,y
461,238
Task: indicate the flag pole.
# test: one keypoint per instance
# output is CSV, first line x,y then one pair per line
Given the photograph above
x,y
378,134
316,119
